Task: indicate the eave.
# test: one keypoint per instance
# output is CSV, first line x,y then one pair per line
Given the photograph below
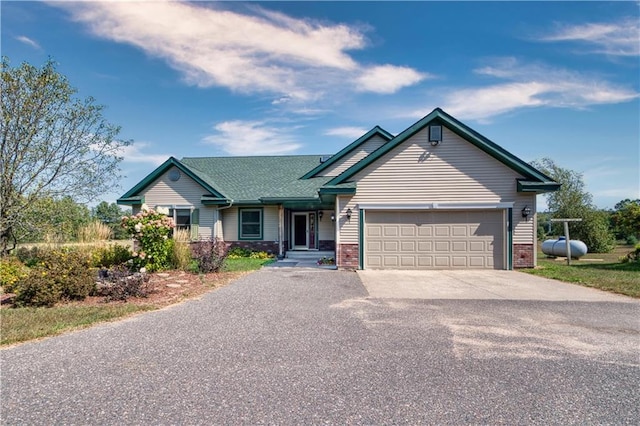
x,y
537,187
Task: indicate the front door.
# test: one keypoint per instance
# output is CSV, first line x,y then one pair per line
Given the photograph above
x,y
303,230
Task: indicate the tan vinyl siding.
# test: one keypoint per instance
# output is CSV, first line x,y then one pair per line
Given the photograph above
x,y
524,231
183,193
326,228
348,228
230,224
353,157
269,217
454,171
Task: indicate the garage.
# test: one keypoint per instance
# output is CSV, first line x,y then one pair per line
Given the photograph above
x,y
454,239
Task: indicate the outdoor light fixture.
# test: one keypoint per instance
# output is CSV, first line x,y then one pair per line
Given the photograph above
x,y
526,211
333,217
320,213
349,212
435,135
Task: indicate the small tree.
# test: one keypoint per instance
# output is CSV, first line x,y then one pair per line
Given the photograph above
x,y
625,219
110,215
573,201
52,145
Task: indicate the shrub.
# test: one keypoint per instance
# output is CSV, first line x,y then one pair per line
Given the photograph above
x,y
120,283
11,271
152,231
111,255
632,240
238,252
209,255
260,255
29,256
39,288
56,274
95,231
632,256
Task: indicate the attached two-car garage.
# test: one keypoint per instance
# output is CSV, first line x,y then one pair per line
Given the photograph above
x,y
434,239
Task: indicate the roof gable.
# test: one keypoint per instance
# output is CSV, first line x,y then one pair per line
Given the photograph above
x,y
438,116
160,170
376,131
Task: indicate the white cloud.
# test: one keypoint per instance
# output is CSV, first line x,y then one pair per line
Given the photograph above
x,y
293,59
29,41
388,79
240,137
530,85
615,38
134,153
347,132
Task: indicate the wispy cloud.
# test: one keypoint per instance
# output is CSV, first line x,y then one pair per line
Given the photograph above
x,y
239,137
388,79
346,132
135,153
524,85
261,51
28,41
614,38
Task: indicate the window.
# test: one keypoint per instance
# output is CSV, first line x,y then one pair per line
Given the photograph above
x,y
250,224
182,218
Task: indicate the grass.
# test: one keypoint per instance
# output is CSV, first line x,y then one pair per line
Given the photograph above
x,y
603,271
244,264
22,324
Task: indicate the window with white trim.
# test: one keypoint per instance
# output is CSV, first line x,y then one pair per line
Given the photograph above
x,y
181,218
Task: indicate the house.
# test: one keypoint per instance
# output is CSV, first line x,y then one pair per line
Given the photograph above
x,y
436,196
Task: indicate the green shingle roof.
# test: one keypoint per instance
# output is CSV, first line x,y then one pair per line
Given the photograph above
x,y
258,178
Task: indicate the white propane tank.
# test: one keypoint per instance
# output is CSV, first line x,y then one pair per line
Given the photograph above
x,y
559,248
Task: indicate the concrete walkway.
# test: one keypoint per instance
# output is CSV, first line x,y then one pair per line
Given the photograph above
x,y
478,285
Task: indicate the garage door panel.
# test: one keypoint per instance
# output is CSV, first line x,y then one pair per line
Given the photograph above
x,y
434,240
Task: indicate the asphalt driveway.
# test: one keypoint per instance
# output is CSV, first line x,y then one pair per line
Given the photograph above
x,y
298,346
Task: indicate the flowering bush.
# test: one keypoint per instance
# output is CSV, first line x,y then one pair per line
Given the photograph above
x,y
152,230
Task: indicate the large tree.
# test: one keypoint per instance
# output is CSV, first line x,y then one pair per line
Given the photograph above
x,y
573,201
110,215
53,145
626,219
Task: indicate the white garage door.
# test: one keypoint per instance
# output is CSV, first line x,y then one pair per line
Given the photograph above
x,y
434,239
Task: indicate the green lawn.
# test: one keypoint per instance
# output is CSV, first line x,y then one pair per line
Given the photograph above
x,y
598,270
22,324
244,264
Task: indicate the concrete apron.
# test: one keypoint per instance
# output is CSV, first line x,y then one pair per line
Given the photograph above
x,y
291,263
478,285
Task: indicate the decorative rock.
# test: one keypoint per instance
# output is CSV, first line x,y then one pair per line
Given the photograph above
x,y
174,285
163,274
182,281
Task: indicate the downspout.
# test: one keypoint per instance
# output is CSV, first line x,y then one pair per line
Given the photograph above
x,y
218,213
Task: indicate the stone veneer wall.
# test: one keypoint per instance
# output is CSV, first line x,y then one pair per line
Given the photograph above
x,y
348,256
523,256
270,247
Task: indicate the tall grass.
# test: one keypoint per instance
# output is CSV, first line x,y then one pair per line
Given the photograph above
x,y
181,249
93,232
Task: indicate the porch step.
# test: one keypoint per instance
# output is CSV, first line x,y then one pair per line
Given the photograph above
x,y
309,254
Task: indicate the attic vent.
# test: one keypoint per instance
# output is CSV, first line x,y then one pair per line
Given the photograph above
x,y
435,135
325,158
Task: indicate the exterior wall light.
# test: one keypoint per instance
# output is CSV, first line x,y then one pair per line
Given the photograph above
x,y
333,217
349,213
526,211
320,214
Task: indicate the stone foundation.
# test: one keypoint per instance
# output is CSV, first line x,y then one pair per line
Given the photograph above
x,y
270,247
347,256
327,245
523,256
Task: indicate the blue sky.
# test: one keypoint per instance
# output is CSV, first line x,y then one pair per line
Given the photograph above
x,y
541,79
